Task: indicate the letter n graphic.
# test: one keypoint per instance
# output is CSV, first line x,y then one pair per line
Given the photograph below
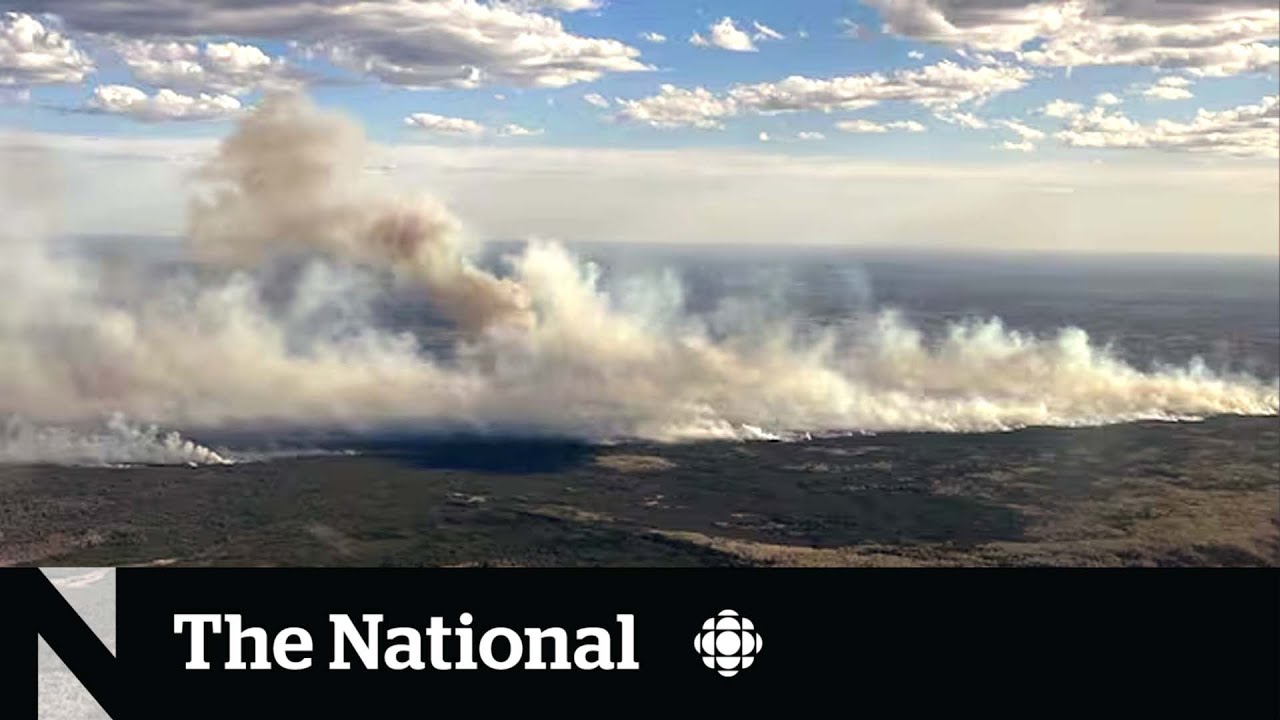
x,y
49,679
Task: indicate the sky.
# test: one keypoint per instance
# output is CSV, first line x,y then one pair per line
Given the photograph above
x,y
1084,125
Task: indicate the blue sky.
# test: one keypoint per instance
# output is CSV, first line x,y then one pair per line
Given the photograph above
x,y
954,83
822,39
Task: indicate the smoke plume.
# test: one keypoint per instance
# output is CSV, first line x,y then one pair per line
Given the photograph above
x,y
543,347
290,177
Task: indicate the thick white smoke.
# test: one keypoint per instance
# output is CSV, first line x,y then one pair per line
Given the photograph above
x,y
544,348
290,177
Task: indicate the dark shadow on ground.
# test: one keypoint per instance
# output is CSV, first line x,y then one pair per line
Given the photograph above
x,y
480,454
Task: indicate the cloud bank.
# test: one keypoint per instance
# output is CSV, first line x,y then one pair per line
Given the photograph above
x,y
944,86
1244,131
1206,38
428,44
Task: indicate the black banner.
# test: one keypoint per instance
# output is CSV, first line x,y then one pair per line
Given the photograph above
x,y
968,640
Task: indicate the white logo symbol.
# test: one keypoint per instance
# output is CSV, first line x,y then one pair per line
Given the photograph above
x,y
728,643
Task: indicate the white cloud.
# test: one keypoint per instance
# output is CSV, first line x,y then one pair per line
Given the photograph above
x,y
228,67
1204,37
1024,131
33,54
1107,99
810,135
165,105
1174,81
596,99
1160,92
441,43
463,127
653,37
940,87
915,54
1170,87
866,126
1027,136
764,32
725,35
443,125
1025,146
1247,130
981,58
849,28
514,130
944,85
860,126
963,119
908,125
678,107
1061,109
763,136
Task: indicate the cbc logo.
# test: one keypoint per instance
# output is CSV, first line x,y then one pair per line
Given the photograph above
x,y
728,643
